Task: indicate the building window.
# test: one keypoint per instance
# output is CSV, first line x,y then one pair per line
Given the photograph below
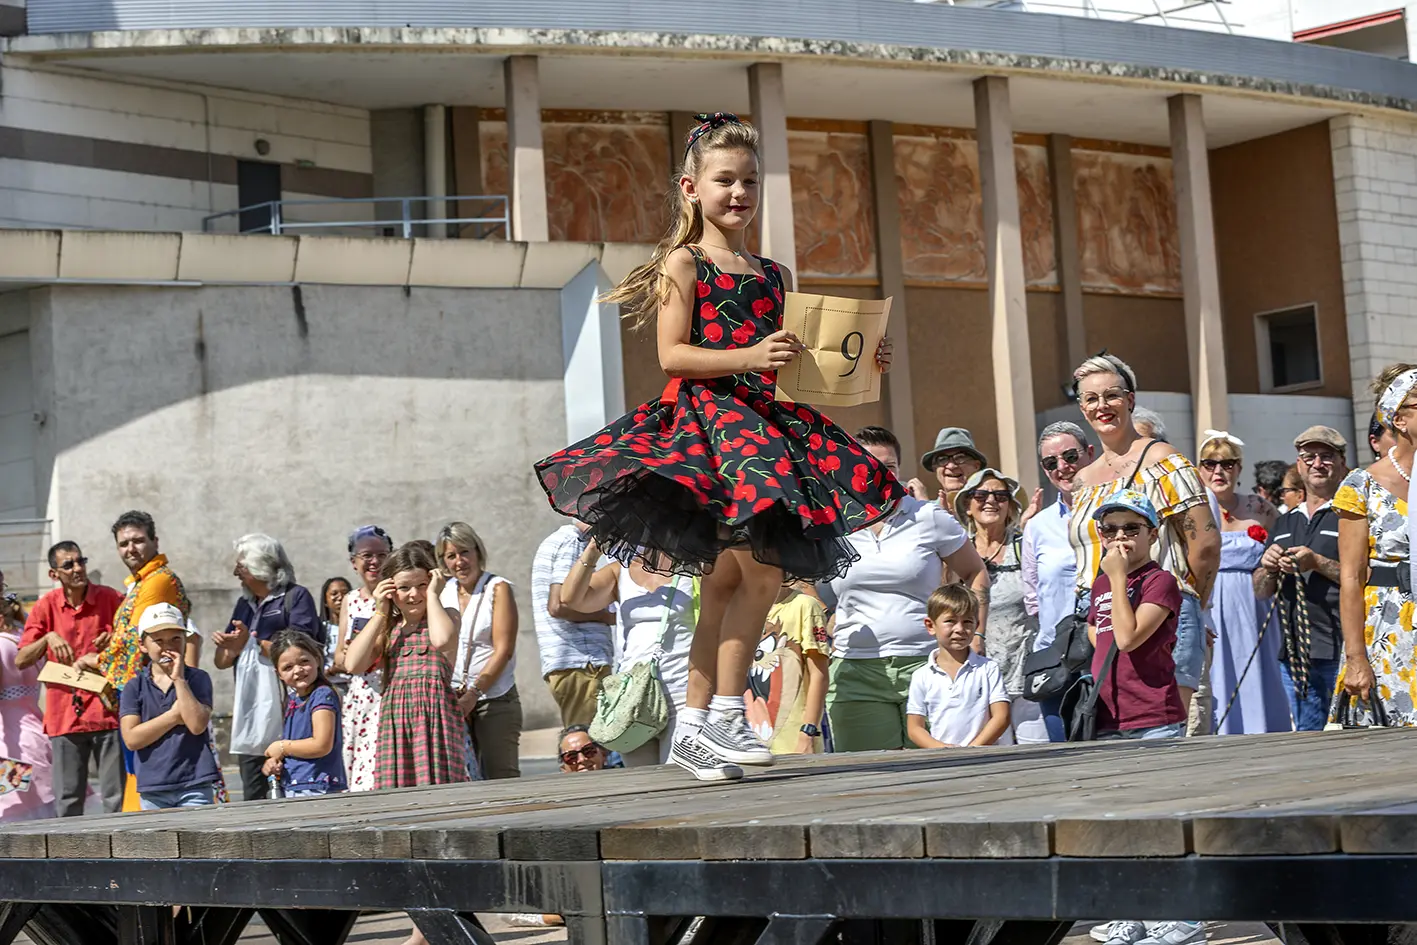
x,y
1289,353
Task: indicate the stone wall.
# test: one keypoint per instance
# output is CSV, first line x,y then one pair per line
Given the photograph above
x,y
1375,178
301,412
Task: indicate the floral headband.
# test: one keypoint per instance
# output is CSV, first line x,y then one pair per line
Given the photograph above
x,y
1395,396
1212,436
707,123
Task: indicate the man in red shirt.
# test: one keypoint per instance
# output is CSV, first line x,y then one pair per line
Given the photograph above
x,y
71,624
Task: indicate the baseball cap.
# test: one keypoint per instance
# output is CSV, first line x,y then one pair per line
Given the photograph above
x,y
1131,501
161,617
1328,436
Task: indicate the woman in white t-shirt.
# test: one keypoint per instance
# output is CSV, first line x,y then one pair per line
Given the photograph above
x,y
484,667
654,616
880,638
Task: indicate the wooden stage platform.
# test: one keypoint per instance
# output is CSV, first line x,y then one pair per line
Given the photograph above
x,y
992,846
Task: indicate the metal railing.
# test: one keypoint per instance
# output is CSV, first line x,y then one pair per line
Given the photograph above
x,y
491,219
1168,12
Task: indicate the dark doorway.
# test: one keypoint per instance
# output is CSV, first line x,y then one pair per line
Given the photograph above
x,y
256,183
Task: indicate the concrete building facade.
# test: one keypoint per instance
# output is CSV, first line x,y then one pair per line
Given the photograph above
x,y
1233,215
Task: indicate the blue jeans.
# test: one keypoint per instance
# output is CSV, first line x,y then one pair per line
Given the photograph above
x,y
196,795
1189,652
1312,714
1174,730
1053,718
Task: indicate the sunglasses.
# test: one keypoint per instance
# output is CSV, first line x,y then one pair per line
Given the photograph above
x,y
576,754
1225,464
981,496
1071,457
71,565
1130,530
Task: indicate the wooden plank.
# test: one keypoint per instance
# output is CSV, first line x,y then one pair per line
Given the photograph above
x,y
1124,837
145,844
369,844
762,841
1022,839
80,846
27,846
450,843
1266,835
892,841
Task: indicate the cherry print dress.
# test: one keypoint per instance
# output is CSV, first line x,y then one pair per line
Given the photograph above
x,y
719,463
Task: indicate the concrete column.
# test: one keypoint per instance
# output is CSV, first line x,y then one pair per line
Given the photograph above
x,y
526,162
890,266
1409,20
1200,272
1003,258
768,103
1065,246
435,168
465,178
594,378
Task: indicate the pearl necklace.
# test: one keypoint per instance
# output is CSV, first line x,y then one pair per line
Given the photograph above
x,y
1392,458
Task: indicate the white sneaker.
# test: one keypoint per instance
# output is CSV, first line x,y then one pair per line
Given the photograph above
x,y
528,920
689,754
1175,933
1125,932
733,739
1102,931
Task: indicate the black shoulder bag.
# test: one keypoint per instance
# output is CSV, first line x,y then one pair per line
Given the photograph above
x,y
1080,701
1054,670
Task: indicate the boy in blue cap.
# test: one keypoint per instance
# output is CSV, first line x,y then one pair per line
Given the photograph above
x,y
1139,698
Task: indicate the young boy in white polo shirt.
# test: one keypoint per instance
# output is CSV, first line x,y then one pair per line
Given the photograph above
x,y
957,698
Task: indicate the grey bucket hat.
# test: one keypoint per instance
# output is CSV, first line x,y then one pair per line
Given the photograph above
x,y
962,497
949,440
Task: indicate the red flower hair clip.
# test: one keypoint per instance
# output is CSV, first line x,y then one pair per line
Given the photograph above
x,y
1258,533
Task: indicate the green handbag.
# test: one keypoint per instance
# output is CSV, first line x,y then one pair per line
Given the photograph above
x,y
632,707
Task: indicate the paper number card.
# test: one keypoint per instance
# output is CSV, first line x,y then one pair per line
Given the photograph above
x,y
838,369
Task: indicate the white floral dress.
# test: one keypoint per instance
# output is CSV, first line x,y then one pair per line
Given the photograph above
x,y
361,706
1388,627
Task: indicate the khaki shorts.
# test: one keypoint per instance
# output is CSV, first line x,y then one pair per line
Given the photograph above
x,y
574,691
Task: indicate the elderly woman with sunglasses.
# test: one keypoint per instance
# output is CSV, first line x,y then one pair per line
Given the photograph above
x,y
1374,558
1257,703
1189,542
1049,566
989,508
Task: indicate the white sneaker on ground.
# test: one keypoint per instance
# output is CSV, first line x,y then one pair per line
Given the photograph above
x,y
531,920
1102,931
733,739
1125,932
1175,933
702,763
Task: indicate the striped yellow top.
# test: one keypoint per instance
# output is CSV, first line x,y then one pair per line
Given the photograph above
x,y
1173,485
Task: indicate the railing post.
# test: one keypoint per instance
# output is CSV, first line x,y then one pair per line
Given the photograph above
x,y
275,218
407,218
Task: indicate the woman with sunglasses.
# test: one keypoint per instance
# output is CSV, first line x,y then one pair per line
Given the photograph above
x,y
1256,703
1189,542
369,547
1375,586
1049,566
579,752
989,508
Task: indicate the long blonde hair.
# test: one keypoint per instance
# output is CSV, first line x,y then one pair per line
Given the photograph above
x,y
645,289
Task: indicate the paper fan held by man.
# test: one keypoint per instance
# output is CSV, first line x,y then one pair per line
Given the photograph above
x,y
717,477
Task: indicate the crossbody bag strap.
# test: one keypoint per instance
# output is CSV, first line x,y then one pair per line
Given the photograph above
x,y
664,620
1136,473
472,627
1107,662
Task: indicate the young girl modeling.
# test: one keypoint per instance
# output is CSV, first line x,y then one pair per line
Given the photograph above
x,y
717,478
309,757
421,734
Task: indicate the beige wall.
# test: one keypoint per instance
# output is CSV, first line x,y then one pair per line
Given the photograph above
x,y
1276,232
1147,333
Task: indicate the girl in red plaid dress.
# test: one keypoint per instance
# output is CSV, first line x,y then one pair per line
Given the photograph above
x,y
421,735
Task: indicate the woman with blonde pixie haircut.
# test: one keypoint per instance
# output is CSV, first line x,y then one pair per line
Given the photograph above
x,y
1375,590
484,666
1256,703
1189,542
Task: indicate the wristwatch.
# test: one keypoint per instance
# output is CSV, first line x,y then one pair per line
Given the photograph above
x,y
811,730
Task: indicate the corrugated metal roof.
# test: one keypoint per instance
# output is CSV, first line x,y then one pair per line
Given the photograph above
x,y
890,22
